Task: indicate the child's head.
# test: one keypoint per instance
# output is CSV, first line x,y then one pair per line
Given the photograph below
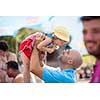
x,y
61,36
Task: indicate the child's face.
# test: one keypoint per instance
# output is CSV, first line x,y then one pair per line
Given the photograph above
x,y
60,42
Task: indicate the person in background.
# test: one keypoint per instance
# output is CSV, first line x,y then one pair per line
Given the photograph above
x,y
5,56
91,36
13,71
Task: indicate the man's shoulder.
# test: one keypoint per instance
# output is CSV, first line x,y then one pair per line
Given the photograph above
x,y
19,78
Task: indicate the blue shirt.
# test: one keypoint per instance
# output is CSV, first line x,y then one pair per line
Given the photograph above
x,y
59,76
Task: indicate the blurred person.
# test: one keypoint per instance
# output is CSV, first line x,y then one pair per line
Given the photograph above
x,y
13,71
5,56
91,36
88,72
2,77
81,73
69,60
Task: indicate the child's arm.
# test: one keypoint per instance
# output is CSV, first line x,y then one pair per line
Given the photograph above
x,y
42,46
49,50
44,43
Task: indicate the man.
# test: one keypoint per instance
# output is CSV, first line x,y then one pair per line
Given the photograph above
x,y
13,71
68,61
91,36
5,56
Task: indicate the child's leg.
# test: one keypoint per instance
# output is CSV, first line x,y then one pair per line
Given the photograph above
x,y
26,71
24,58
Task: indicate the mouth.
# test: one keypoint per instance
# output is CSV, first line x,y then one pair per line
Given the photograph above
x,y
90,43
91,46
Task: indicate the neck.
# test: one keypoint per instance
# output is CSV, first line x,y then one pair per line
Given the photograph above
x,y
66,67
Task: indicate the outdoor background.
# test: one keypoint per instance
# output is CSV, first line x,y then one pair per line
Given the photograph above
x,y
14,29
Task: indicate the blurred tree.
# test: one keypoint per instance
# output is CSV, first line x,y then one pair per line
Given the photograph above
x,y
24,32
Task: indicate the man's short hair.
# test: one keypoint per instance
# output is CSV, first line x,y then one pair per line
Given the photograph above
x,y
74,55
12,64
3,45
88,18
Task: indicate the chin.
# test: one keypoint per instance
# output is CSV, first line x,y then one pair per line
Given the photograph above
x,y
10,75
94,53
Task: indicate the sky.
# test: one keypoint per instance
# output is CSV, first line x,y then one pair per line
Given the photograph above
x,y
10,24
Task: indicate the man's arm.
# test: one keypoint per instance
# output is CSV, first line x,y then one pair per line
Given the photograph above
x,y
35,66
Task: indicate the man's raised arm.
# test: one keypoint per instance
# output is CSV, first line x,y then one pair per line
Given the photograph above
x,y
35,65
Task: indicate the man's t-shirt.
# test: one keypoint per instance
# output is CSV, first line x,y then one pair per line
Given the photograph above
x,y
59,76
96,74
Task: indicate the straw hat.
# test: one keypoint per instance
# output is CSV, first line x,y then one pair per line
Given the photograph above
x,y
62,33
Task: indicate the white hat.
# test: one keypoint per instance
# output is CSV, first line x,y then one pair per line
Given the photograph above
x,y
62,33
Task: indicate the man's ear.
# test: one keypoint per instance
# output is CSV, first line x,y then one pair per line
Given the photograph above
x,y
70,61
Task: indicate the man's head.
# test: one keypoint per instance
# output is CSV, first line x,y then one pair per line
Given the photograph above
x,y
91,34
70,59
3,47
12,68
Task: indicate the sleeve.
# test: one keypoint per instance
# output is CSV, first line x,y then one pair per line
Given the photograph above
x,y
95,79
50,75
50,35
56,76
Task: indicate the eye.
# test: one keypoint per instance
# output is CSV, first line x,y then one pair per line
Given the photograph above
x,y
96,30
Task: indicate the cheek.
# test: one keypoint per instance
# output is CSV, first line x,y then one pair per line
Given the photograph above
x,y
60,43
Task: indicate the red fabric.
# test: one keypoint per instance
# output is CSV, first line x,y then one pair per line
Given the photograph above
x,y
27,45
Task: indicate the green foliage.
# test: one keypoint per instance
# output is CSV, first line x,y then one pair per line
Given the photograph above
x,y
88,59
11,42
24,32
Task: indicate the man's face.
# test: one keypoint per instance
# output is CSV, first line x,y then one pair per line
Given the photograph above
x,y
91,36
10,72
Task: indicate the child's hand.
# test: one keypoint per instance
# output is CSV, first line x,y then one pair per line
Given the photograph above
x,y
39,38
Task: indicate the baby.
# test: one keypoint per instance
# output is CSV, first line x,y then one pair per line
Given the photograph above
x,y
48,42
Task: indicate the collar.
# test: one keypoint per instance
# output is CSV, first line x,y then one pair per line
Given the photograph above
x,y
69,69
